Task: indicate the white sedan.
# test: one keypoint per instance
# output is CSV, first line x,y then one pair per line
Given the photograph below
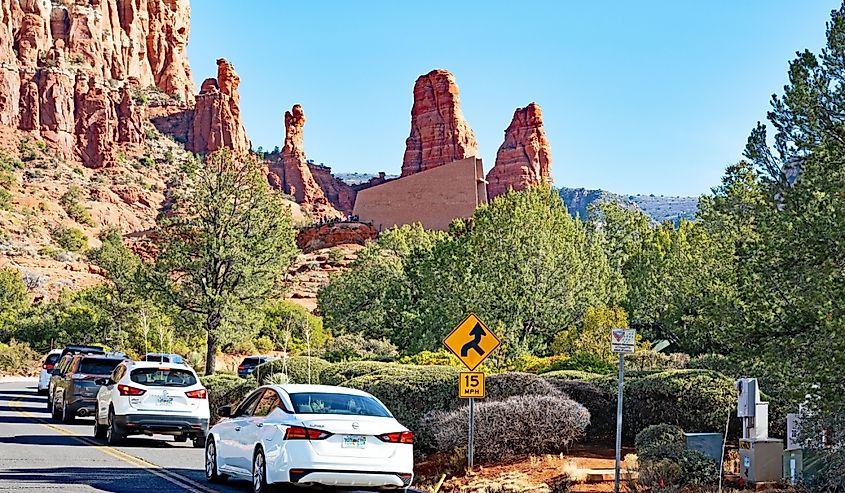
x,y
149,397
310,435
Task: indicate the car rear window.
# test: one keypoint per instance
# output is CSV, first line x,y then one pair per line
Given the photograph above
x,y
157,357
98,366
329,403
51,359
163,377
250,361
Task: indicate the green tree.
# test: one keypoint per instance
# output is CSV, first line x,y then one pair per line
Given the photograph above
x,y
226,245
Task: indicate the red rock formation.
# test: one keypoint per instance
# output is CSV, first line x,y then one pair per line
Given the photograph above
x,y
525,157
331,235
57,54
439,132
217,115
338,193
292,171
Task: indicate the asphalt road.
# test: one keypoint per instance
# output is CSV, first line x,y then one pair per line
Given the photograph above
x,y
40,454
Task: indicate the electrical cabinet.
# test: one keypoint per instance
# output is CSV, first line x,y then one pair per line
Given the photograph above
x,y
761,460
710,444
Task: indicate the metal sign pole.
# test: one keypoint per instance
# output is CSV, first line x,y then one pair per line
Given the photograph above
x,y
471,433
619,420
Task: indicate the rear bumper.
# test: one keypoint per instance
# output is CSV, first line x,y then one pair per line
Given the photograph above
x,y
356,479
83,406
141,423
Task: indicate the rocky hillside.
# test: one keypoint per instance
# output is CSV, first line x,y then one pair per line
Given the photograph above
x,y
660,208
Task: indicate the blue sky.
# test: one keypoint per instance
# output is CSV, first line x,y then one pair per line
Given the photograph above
x,y
638,97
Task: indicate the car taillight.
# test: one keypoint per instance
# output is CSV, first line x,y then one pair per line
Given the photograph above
x,y
301,433
241,367
398,437
197,394
127,390
47,366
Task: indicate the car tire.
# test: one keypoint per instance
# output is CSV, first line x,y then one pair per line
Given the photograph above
x,y
49,404
199,442
68,416
114,434
180,438
99,430
55,412
259,472
211,473
42,391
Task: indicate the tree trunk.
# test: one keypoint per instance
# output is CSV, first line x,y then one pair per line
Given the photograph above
x,y
212,323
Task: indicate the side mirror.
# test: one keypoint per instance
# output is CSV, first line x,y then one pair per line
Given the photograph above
x,y
224,411
103,381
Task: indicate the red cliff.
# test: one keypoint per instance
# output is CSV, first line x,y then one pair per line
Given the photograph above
x,y
439,132
525,157
65,66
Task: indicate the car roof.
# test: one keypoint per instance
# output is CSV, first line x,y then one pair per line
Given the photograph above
x,y
157,364
98,356
324,389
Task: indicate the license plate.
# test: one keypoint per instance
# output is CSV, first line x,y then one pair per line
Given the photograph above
x,y
354,441
165,400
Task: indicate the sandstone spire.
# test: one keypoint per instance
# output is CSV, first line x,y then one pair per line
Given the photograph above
x,y
217,115
524,158
292,173
439,132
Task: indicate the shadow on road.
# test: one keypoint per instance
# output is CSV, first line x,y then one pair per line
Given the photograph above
x,y
62,440
109,479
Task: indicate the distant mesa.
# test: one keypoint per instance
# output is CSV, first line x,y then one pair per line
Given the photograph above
x,y
439,132
525,157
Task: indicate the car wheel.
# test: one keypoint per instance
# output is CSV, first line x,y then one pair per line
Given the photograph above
x,y
114,434
181,438
67,415
99,430
211,473
42,391
55,412
259,472
49,403
199,442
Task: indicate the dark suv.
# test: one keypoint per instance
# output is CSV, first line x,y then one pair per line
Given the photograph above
x,y
75,390
249,364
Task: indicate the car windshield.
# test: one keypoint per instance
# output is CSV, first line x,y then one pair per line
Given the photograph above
x,y
98,366
51,359
163,377
329,403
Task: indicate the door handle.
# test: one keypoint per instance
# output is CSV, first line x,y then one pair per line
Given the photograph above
x,y
237,428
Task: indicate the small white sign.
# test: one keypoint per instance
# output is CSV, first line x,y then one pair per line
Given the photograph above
x,y
623,340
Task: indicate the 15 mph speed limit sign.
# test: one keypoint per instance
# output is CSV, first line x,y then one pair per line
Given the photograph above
x,y
471,385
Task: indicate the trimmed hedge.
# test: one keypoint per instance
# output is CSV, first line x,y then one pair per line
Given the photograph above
x,y
660,442
226,389
695,400
297,369
597,400
665,461
409,395
571,375
511,428
339,373
504,385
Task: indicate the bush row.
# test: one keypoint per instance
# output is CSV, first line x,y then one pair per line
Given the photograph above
x,y
664,460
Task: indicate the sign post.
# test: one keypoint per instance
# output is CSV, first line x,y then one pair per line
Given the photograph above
x,y
621,341
472,342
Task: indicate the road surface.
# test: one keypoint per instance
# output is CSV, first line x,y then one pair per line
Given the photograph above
x,y
40,454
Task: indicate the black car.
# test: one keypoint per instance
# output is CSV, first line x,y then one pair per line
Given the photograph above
x,y
248,365
75,389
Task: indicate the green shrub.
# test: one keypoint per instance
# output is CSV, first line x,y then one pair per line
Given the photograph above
x,y
340,373
695,400
514,427
441,357
226,389
660,442
5,200
598,400
570,375
354,347
583,362
652,360
17,358
76,211
71,239
697,469
278,379
299,369
504,385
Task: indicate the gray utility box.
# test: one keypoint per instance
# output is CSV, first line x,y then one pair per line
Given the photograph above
x,y
761,460
710,444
